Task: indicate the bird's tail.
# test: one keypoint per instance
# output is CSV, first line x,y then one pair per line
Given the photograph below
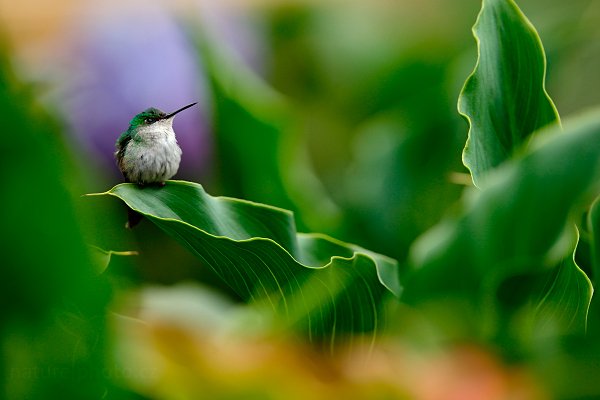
x,y
133,218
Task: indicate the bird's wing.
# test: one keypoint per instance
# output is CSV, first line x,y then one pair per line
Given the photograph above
x,y
121,146
123,140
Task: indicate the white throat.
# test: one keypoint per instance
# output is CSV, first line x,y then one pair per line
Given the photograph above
x,y
160,130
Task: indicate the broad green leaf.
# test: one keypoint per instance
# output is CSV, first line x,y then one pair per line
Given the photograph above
x,y
504,99
513,227
321,286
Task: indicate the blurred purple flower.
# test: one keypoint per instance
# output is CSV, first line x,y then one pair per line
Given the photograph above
x,y
125,62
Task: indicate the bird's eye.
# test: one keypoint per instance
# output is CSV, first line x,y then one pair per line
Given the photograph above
x,y
149,120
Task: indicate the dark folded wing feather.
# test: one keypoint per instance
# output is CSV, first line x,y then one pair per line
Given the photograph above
x,y
121,146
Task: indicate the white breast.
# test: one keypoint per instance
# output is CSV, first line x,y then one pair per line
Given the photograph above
x,y
155,156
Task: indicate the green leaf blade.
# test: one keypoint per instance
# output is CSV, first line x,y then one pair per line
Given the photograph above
x,y
217,216
511,228
504,99
318,284
565,299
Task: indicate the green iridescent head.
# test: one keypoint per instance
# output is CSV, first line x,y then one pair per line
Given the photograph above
x,y
147,117
152,115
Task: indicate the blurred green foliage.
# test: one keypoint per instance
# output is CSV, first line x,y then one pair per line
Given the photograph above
x,y
352,124
514,237
366,159
52,301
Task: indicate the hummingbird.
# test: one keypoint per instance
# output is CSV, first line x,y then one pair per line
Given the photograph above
x,y
147,152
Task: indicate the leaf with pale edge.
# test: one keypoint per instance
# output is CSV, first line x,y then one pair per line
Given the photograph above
x,y
511,228
321,286
504,99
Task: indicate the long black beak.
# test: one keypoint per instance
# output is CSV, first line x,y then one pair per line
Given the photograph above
x,y
178,111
